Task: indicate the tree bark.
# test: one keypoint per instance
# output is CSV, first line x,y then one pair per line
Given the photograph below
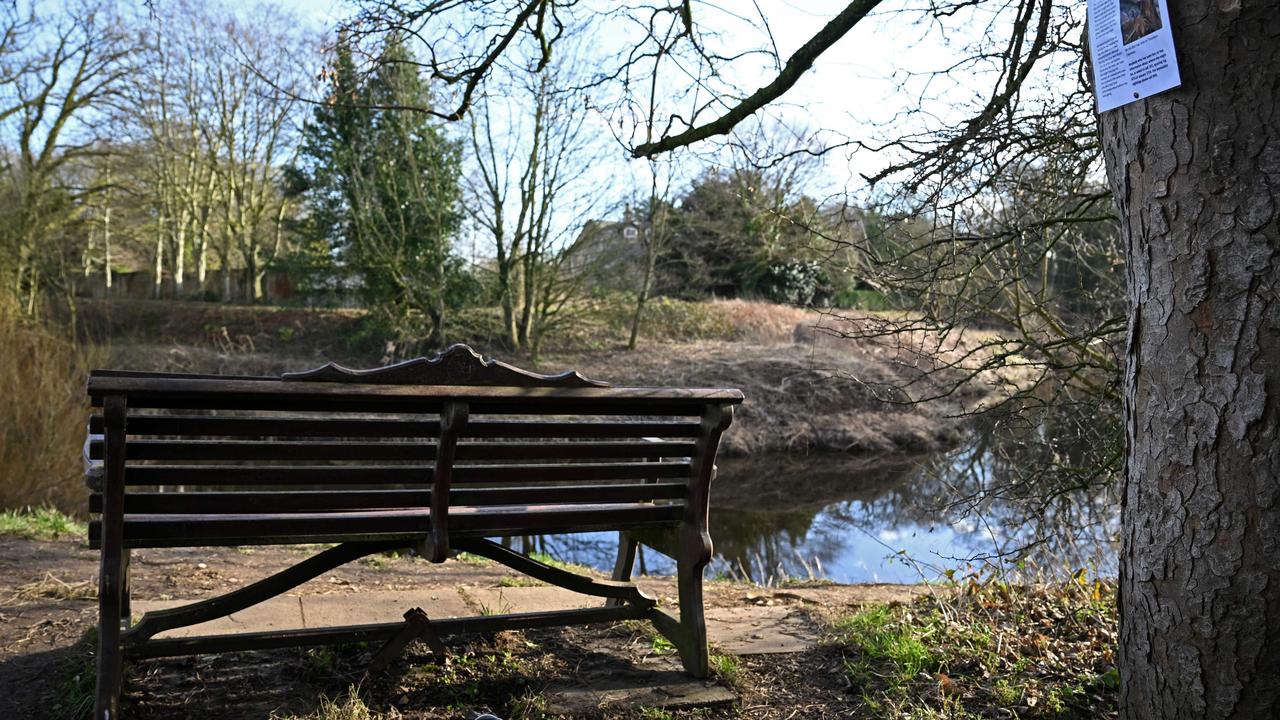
x,y
1196,175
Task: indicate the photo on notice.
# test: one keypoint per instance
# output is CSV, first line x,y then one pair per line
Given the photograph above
x,y
1138,19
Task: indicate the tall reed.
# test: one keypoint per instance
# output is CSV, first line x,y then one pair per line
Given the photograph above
x,y
43,410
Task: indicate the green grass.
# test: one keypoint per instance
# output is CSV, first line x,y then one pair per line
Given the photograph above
x,y
546,559
881,639
382,560
519,581
40,524
662,646
76,691
469,559
985,648
727,667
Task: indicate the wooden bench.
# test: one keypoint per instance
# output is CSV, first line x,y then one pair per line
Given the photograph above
x,y
439,455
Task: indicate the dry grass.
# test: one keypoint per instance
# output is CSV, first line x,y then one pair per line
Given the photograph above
x,y
42,418
51,586
764,323
347,707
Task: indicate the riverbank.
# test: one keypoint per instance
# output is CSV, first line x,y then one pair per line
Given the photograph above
x,y
807,390
864,651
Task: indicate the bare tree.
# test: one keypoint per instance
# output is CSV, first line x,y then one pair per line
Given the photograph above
x,y
167,102
550,155
254,80
60,68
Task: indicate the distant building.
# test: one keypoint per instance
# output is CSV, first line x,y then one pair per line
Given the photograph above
x,y
610,253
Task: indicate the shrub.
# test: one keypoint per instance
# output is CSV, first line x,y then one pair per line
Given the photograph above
x,y
794,283
679,320
42,418
853,299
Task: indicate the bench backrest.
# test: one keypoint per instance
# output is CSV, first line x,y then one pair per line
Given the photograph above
x,y
449,432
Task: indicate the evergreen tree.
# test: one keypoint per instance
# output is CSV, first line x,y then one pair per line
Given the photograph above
x,y
382,186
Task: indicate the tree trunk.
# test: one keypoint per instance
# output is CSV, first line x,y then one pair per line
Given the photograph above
x,y
506,287
642,295
202,249
252,278
159,258
528,277
179,258
106,247
1196,172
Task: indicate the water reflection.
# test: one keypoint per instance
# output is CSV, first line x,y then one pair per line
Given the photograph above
x,y
1012,494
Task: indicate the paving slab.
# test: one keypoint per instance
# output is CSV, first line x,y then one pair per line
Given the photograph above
x,y
760,630
378,606
671,690
737,630
310,611
528,599
278,613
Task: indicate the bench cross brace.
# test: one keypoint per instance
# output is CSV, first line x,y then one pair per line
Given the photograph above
x,y
417,626
158,621
615,590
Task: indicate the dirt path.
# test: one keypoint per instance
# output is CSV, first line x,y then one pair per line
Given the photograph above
x,y
48,603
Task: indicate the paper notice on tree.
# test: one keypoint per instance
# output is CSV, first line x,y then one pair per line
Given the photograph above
x,y
1132,50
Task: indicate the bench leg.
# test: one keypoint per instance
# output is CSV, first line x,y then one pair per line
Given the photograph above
x,y
126,614
688,632
622,567
110,658
693,624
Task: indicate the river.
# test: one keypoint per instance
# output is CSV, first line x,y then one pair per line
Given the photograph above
x,y
898,519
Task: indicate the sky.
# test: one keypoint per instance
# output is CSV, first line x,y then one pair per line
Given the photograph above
x,y
850,90
853,92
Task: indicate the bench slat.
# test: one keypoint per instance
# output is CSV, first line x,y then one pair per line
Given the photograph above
x,y
213,502
579,429
222,475
572,450
571,472
268,450
201,425
333,527
302,451
205,388
197,425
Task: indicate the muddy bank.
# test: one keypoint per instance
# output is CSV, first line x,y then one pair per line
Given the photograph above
x,y
806,391
799,399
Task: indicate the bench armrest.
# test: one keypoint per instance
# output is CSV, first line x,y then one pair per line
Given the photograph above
x,y
715,420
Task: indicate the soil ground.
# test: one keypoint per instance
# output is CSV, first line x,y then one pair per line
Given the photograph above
x,y
48,605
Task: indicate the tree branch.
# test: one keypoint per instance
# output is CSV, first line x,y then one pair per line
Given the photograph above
x,y
799,62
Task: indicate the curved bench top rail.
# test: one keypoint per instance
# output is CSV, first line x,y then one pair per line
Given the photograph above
x,y
459,373
493,398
